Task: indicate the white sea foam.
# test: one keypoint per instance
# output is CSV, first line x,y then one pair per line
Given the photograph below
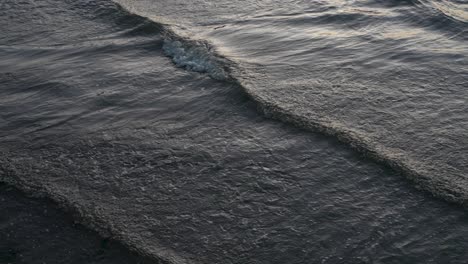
x,y
195,57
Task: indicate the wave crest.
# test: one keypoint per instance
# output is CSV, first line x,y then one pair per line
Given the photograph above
x,y
194,56
200,56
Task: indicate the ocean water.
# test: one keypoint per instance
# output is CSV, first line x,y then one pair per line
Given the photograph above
x,y
36,231
244,131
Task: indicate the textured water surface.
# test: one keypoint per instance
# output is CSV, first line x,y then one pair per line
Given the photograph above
x,y
389,77
99,112
35,231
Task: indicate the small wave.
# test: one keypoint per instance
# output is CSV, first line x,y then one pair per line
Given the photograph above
x,y
193,55
196,57
200,56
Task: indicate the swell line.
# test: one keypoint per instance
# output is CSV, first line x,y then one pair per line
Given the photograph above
x,y
202,56
96,220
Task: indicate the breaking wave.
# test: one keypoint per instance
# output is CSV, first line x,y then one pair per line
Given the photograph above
x,y
198,57
201,56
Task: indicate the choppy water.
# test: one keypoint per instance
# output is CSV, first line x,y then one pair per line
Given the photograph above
x,y
106,112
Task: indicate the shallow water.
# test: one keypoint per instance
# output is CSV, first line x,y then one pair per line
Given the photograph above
x,y
185,168
34,230
387,76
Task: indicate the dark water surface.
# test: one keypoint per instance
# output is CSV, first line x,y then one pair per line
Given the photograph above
x,y
35,231
183,167
388,77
